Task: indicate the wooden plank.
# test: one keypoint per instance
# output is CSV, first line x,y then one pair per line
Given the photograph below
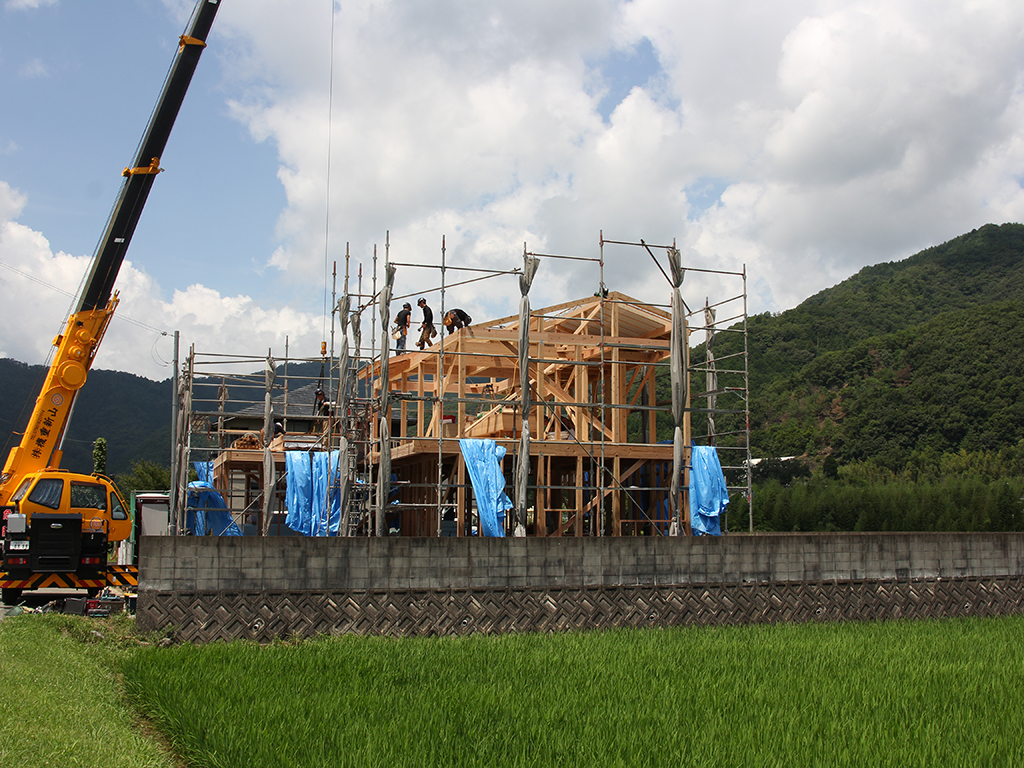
x,y
617,497
652,399
540,500
404,407
578,518
420,391
540,378
618,395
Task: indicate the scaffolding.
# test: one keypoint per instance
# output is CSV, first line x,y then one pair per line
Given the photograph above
x,y
590,399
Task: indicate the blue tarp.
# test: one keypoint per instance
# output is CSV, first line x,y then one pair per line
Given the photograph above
x,y
314,506
207,512
482,460
708,493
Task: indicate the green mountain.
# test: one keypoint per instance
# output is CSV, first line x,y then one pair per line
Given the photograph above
x,y
920,355
953,383
973,270
131,412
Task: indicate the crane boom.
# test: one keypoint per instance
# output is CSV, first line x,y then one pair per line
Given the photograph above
x,y
139,178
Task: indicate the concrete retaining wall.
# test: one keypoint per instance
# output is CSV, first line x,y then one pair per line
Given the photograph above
x,y
211,588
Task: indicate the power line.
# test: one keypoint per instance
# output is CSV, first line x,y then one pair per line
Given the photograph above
x,y
117,316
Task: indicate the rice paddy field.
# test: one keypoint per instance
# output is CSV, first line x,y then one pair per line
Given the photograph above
x,y
885,694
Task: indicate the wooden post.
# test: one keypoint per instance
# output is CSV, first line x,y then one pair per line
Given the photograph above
x,y
404,408
538,402
687,434
540,509
460,504
420,392
618,398
460,418
579,496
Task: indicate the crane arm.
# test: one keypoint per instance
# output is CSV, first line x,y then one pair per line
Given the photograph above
x,y
139,178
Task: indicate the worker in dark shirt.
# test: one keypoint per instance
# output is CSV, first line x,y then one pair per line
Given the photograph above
x,y
427,331
455,319
403,320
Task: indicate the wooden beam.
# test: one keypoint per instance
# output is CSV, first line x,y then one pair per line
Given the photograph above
x,y
570,340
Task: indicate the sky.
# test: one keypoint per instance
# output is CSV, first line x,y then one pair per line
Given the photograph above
x,y
796,141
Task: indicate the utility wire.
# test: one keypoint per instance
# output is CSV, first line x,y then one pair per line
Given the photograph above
x,y
52,287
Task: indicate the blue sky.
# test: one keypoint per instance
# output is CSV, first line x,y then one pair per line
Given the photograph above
x,y
801,140
80,82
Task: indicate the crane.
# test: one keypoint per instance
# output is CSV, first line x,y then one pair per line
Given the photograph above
x,y
57,525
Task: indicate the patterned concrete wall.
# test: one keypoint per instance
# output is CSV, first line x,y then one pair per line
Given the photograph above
x,y
224,588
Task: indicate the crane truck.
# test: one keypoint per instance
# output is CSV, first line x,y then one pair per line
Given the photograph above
x,y
57,525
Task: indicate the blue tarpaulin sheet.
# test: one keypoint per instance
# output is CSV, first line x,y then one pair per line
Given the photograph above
x,y
708,493
313,496
483,459
207,512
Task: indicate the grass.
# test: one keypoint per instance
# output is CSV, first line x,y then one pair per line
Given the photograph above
x,y
895,693
62,704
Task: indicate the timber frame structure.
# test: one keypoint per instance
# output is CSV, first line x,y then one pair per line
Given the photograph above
x,y
575,387
592,362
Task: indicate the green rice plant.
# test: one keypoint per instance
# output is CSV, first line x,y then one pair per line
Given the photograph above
x,y
885,694
61,703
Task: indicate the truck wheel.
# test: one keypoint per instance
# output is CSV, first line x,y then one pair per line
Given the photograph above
x,y
10,595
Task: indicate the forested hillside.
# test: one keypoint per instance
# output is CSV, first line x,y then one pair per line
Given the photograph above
x,y
980,268
903,357
955,382
901,392
131,412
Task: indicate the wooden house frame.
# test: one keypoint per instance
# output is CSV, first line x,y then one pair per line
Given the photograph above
x,y
592,363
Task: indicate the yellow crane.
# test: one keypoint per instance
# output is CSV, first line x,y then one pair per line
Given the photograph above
x,y
57,525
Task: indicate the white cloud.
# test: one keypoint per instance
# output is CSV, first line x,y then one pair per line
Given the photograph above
x,y
845,133
802,139
11,202
39,287
33,69
24,5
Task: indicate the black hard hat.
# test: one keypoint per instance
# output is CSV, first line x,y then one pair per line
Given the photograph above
x,y
407,305
421,300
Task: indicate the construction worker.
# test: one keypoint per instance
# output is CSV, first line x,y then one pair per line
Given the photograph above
x,y
402,321
456,318
427,331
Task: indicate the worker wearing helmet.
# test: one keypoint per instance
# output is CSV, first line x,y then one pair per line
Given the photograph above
x,y
402,322
454,319
427,331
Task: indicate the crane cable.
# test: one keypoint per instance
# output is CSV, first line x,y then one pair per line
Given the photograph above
x,y
327,216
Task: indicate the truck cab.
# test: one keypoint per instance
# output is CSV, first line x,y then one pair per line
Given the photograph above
x,y
60,523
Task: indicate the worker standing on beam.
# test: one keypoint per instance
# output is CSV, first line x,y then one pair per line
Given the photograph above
x,y
427,331
402,321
